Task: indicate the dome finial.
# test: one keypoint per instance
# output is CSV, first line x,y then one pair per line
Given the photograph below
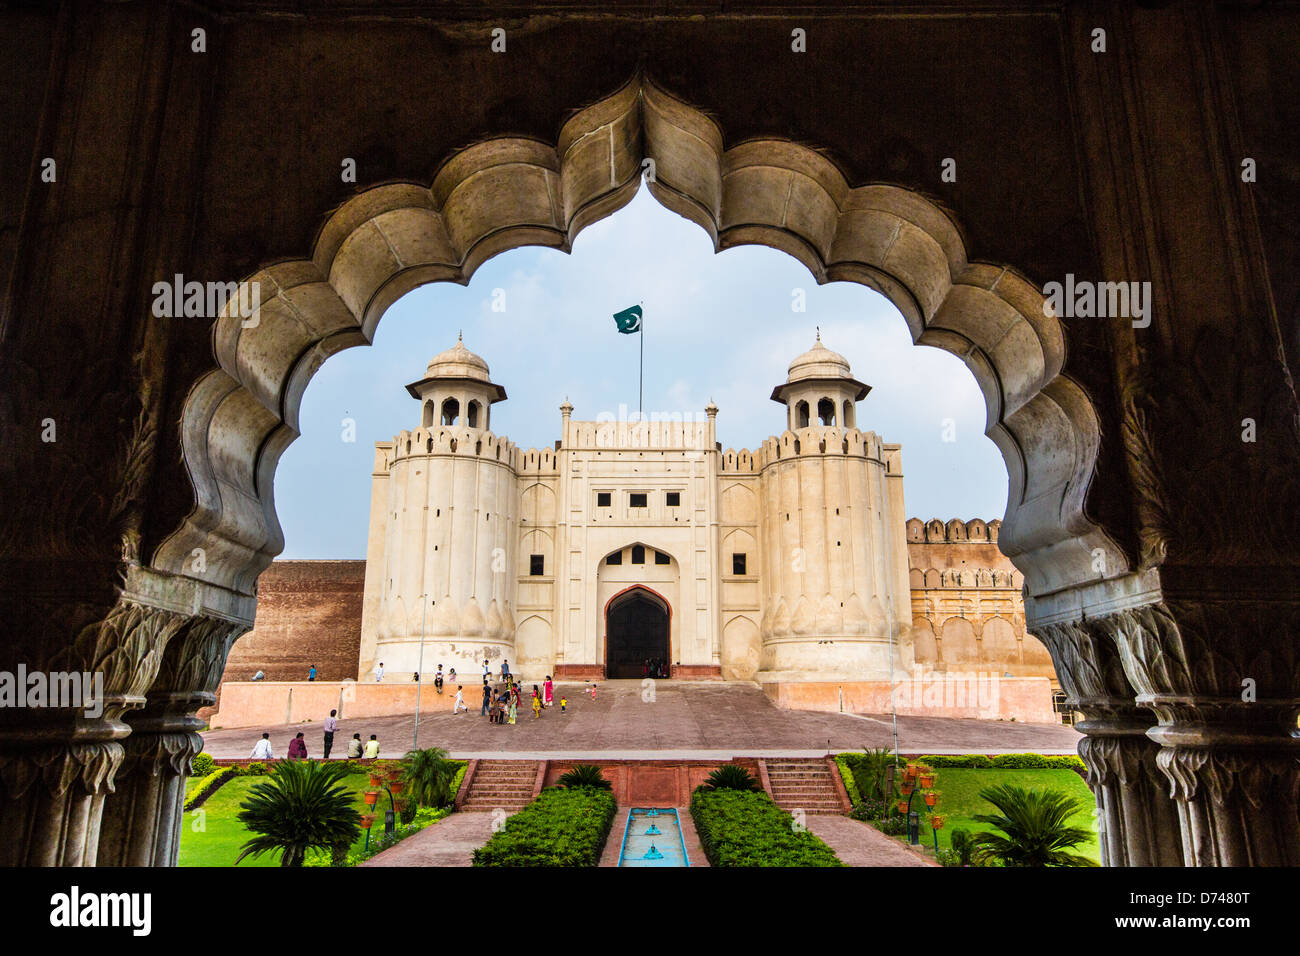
x,y
458,335
819,332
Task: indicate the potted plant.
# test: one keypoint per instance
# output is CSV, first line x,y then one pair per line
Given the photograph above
x,y
395,786
370,796
909,773
936,821
366,820
931,797
902,806
925,776
376,779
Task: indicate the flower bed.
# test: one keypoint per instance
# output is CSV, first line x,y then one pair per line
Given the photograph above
x,y
562,827
738,828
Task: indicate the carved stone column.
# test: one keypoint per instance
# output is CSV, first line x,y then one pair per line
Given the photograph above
x,y
142,818
1223,677
57,763
1137,821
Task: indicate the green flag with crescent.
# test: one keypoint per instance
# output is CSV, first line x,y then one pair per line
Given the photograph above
x,y
629,320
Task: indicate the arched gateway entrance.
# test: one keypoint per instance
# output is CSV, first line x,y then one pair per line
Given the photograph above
x,y
636,634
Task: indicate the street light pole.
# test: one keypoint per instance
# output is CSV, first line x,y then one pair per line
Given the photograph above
x,y
419,673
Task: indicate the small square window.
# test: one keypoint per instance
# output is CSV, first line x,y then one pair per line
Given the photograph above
x,y
636,499
602,499
536,564
738,564
661,558
638,554
674,499
615,558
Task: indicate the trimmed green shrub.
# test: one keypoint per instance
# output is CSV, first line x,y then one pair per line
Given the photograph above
x,y
203,765
1021,762
730,777
453,788
745,828
210,785
850,784
562,827
1002,761
256,769
584,775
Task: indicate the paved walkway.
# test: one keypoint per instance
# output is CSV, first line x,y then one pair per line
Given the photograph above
x,y
449,842
682,718
859,844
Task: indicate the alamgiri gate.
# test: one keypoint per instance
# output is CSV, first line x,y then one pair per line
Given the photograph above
x,y
642,548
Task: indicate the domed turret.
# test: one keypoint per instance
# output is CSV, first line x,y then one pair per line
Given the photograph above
x,y
820,388
457,390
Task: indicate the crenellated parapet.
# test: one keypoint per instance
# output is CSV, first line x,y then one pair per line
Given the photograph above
x,y
536,461
447,441
814,441
953,531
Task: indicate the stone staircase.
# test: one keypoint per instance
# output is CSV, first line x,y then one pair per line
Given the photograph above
x,y
501,784
803,783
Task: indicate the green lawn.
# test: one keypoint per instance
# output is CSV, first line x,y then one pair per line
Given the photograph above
x,y
218,843
959,800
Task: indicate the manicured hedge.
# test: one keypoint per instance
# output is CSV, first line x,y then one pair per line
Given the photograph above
x,y
1002,762
850,784
562,827
210,785
747,829
202,765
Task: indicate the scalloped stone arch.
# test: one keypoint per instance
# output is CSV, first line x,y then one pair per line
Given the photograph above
x,y
504,193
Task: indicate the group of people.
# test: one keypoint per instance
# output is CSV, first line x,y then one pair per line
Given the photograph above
x,y
503,701
654,667
357,749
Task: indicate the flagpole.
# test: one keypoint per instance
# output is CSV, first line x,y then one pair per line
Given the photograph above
x,y
640,380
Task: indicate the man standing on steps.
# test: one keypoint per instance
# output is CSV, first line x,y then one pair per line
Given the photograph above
x,y
331,725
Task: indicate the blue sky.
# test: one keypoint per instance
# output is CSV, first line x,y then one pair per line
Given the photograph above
x,y
717,327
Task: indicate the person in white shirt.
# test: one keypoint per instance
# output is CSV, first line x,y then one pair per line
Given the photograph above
x,y
379,673
262,749
459,704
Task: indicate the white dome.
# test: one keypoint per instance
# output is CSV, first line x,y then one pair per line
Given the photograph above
x,y
457,362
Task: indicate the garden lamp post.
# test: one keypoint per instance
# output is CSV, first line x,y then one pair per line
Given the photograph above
x,y
419,673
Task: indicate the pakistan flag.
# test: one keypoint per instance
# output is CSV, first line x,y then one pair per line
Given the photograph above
x,y
629,320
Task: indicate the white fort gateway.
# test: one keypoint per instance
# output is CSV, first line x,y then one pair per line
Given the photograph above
x,y
642,548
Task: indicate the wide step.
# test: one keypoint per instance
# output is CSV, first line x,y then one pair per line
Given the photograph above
x,y
501,785
803,785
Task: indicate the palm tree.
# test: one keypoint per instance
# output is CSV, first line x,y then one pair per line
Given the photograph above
x,y
584,775
1035,828
428,775
730,776
301,806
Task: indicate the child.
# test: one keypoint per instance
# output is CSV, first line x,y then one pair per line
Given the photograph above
x,y
459,705
592,691
513,709
537,702
564,702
